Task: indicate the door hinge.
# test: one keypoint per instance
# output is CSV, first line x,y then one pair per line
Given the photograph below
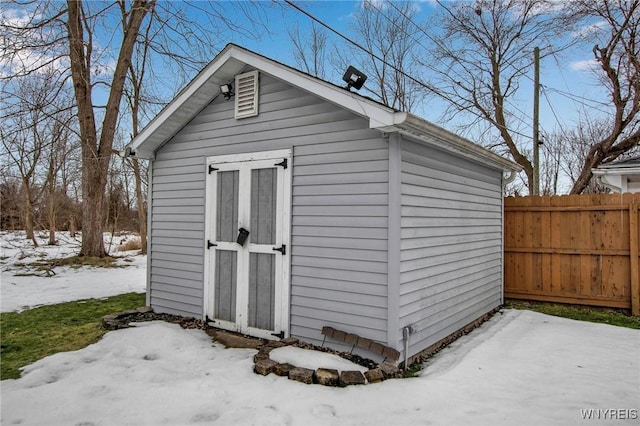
x,y
210,244
283,163
279,335
282,249
212,169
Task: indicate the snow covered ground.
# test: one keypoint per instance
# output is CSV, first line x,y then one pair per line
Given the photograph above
x,y
23,286
520,368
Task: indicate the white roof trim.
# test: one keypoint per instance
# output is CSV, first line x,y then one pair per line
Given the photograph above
x,y
378,115
160,130
628,170
417,128
232,59
207,75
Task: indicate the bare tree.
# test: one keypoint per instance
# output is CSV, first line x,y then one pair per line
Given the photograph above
x,y
96,150
310,50
35,117
617,53
383,28
483,51
9,198
551,159
136,101
575,144
93,43
24,150
57,153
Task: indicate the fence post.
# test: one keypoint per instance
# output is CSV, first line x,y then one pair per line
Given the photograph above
x,y
633,258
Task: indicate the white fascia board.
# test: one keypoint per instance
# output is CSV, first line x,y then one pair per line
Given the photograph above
x,y
420,129
203,89
379,115
153,136
628,171
205,78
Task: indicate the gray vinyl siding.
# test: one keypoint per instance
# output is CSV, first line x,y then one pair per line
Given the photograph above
x,y
451,243
339,209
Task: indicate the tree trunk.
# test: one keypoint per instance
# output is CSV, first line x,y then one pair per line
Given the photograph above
x,y
52,219
593,159
51,183
97,151
72,226
28,214
142,211
93,184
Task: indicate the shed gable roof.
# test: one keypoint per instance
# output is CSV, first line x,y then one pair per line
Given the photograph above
x,y
205,87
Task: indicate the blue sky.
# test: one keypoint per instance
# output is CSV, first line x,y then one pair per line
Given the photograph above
x,y
568,85
566,82
567,74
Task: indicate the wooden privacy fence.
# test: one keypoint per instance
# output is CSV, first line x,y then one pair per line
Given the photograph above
x,y
578,249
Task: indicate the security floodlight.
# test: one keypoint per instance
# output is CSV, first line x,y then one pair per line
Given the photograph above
x,y
227,90
354,78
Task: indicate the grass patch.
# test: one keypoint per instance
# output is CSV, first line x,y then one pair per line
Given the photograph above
x,y
36,333
78,261
413,371
581,313
73,262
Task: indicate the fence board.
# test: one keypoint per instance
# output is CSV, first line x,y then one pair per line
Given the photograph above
x,y
581,249
633,248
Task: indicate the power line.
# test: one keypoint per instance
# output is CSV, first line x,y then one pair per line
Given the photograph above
x,y
525,115
373,55
553,111
439,44
583,101
435,41
359,46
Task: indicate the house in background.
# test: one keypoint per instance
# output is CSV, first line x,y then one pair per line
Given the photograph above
x,y
621,175
288,204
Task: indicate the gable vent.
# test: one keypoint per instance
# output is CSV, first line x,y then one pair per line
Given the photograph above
x,y
246,95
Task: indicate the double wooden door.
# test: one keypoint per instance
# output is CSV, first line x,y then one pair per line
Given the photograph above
x,y
248,242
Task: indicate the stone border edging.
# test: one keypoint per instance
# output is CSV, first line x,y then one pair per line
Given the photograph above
x,y
264,365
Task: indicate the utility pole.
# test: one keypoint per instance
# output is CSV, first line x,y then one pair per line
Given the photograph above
x,y
536,118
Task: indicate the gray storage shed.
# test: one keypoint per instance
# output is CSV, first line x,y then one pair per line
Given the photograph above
x,y
359,217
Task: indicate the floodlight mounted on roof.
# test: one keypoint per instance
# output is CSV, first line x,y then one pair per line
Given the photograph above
x,y
354,78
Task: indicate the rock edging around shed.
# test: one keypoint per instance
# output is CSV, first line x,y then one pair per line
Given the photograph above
x,y
264,365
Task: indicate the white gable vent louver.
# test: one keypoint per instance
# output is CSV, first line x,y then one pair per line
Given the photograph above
x,y
246,95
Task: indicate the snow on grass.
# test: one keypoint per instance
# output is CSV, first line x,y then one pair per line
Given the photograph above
x,y
26,281
16,250
521,368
